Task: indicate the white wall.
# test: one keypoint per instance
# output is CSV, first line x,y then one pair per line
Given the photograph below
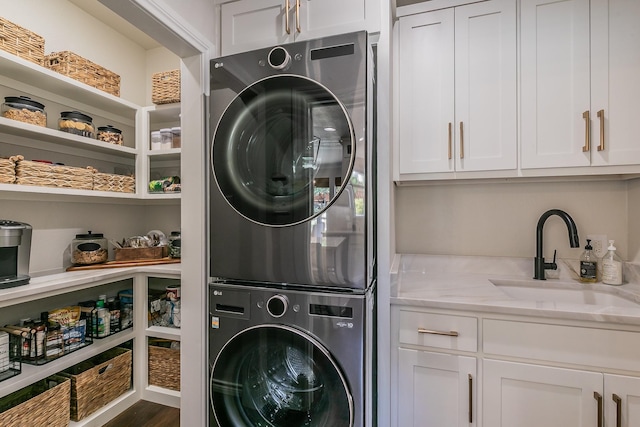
x,y
499,219
66,27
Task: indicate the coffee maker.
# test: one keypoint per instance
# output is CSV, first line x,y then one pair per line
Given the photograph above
x,y
15,249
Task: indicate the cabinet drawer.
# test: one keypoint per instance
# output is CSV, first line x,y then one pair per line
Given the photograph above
x,y
565,344
438,330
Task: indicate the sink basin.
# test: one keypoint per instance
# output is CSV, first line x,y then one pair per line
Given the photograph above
x,y
567,293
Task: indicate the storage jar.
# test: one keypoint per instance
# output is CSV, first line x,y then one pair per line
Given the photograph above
x,y
76,123
24,109
110,134
176,135
175,243
89,248
167,138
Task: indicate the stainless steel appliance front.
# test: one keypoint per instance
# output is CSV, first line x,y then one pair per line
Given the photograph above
x,y
291,170
287,358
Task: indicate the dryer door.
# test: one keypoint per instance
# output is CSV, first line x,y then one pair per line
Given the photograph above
x,y
283,150
277,376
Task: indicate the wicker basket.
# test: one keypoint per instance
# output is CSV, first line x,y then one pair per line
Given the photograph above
x,y
83,70
21,42
113,182
99,380
45,403
7,170
164,365
50,175
165,87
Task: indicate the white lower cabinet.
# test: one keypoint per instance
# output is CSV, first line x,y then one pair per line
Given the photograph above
x,y
435,389
621,401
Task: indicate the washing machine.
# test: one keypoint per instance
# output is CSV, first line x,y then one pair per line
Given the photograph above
x,y
291,165
285,358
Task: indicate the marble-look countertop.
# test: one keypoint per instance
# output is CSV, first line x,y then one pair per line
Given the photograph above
x,y
469,283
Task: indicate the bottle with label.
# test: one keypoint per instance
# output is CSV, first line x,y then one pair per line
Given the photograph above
x,y
611,266
588,264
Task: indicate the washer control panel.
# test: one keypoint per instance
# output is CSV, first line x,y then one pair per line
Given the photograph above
x,y
277,305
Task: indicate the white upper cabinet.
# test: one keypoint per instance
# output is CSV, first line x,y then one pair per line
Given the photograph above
x,y
578,83
253,24
457,90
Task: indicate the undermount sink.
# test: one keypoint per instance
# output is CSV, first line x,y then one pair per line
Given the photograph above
x,y
567,293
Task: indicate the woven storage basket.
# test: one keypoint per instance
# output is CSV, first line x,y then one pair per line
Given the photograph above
x,y
83,70
164,367
113,182
45,403
7,170
165,87
21,42
99,380
50,175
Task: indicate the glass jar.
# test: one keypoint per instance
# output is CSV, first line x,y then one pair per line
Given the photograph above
x,y
89,248
167,138
175,243
176,134
24,109
76,123
110,134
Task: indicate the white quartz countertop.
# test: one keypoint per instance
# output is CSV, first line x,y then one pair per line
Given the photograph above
x,y
476,284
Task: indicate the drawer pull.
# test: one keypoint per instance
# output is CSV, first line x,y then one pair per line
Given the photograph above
x,y
470,399
598,398
432,332
601,117
618,401
587,132
286,17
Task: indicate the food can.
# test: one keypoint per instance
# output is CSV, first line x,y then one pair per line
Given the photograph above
x,y
173,293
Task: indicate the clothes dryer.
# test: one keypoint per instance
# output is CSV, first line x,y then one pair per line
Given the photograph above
x,y
291,199
282,358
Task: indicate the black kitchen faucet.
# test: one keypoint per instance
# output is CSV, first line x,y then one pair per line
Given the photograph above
x,y
539,265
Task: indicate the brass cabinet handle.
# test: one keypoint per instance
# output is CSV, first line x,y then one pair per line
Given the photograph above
x,y
601,117
618,401
286,17
598,398
432,332
587,131
298,15
450,138
470,399
461,141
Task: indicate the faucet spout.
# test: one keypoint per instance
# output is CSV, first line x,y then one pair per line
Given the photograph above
x,y
539,264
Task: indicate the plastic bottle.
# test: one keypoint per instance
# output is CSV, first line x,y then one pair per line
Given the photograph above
x,y
611,266
588,264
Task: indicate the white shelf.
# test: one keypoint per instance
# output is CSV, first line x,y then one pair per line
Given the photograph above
x,y
171,154
163,332
31,373
35,75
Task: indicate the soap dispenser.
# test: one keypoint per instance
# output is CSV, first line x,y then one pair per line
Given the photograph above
x,y
611,266
588,264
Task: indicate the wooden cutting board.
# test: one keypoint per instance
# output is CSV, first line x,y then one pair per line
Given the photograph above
x,y
120,264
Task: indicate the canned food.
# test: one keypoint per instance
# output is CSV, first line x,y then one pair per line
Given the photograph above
x,y
24,109
110,134
76,123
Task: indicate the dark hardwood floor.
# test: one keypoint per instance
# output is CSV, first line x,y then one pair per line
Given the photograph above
x,y
147,414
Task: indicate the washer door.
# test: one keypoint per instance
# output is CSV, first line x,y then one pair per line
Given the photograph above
x,y
282,150
276,376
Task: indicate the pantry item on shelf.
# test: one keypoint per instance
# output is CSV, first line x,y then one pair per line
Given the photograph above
x,y
21,42
175,243
43,403
158,238
140,248
114,182
89,248
166,138
165,87
81,69
156,140
110,134
165,184
76,123
24,109
176,134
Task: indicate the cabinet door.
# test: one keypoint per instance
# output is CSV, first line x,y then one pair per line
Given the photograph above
x,y
615,84
426,92
436,389
485,86
555,83
329,17
623,393
523,395
252,24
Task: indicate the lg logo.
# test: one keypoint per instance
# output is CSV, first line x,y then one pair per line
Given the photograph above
x,y
217,293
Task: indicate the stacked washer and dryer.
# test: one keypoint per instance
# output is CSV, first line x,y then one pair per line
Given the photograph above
x,y
292,238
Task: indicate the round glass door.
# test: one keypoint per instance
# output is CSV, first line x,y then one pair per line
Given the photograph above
x,y
282,150
276,376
